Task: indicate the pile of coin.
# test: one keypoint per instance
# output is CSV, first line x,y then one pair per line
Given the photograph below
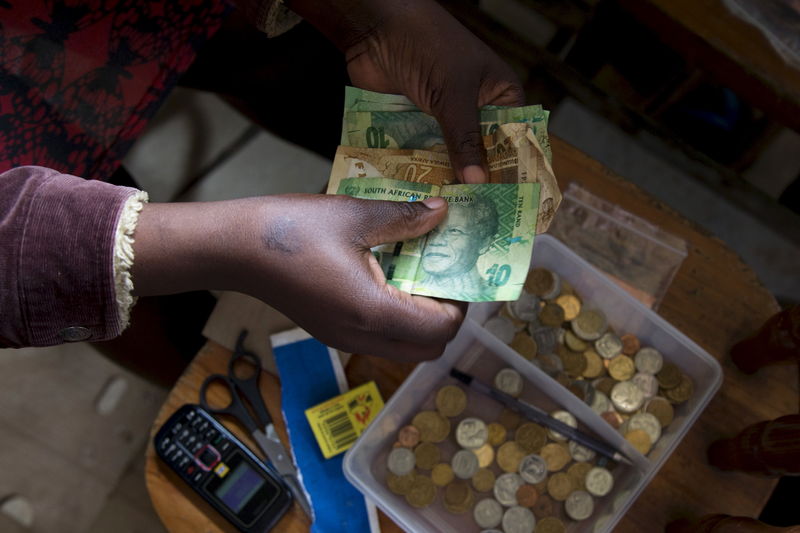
x,y
508,473
630,386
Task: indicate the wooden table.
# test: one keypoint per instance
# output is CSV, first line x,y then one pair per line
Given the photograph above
x,y
715,299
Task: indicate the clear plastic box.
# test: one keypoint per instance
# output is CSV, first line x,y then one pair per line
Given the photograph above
x,y
474,350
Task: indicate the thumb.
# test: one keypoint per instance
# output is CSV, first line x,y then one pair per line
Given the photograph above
x,y
462,134
398,221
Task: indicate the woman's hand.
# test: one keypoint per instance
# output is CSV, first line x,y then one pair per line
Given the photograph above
x,y
309,257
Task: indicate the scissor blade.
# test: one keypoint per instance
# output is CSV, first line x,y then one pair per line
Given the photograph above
x,y
273,448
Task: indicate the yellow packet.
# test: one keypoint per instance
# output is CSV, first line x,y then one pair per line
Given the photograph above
x,y
338,422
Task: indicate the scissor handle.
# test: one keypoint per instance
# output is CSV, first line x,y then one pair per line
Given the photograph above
x,y
235,408
249,385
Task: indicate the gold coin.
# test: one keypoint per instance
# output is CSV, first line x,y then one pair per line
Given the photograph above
x,y
575,343
426,455
530,437
497,434
556,456
550,524
660,408
594,364
605,384
432,426
408,437
422,492
509,456
551,315
451,400
669,376
485,455
682,392
400,485
570,304
442,474
527,495
544,506
458,497
559,486
509,419
590,324
630,344
574,362
540,281
577,472
483,480
621,367
640,440
524,345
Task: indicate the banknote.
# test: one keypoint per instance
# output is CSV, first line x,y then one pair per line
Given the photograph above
x,y
512,151
480,252
376,120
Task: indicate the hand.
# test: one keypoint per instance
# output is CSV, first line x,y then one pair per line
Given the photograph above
x,y
309,257
417,49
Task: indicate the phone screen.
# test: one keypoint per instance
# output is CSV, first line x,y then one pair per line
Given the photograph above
x,y
244,490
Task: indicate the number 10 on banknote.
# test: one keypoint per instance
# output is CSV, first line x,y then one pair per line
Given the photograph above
x,y
482,250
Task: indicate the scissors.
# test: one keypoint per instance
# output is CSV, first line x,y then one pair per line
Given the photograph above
x,y
244,390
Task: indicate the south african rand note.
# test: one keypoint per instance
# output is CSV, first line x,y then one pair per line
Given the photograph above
x,y
512,151
480,252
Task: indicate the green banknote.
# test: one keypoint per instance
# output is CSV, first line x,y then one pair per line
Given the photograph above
x,y
375,120
480,252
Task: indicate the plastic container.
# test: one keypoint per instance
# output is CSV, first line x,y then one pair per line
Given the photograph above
x,y
476,351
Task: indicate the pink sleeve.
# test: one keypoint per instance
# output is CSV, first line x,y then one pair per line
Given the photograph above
x,y
56,257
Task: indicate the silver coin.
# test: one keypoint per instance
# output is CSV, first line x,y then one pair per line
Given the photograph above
x,y
533,469
601,403
505,488
555,291
647,383
608,346
471,433
648,360
550,363
464,464
401,461
509,381
518,520
509,307
565,417
580,452
626,397
599,481
579,505
526,307
647,423
488,513
502,328
546,339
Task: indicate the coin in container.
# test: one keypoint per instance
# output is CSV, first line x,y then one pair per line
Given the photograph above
x,y
432,426
518,519
575,343
501,327
613,418
579,505
551,315
400,485
647,383
471,433
594,365
509,381
600,403
426,455
485,455
630,344
570,304
524,345
555,455
530,437
669,376
458,497
626,397
483,480
682,392
505,488
608,346
546,339
442,474
574,363
527,495
590,324
579,452
577,472
649,360
559,486
533,468
509,455
422,492
640,440
621,367
604,384
400,461
661,409
497,433
464,464
543,283
408,436
599,481
583,390
451,400
526,307
488,513
551,364
550,524
562,416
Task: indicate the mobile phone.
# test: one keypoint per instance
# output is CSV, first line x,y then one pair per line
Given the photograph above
x,y
222,470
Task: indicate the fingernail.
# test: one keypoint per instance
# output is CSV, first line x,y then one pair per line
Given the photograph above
x,y
474,174
436,202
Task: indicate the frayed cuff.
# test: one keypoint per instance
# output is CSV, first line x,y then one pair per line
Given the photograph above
x,y
123,255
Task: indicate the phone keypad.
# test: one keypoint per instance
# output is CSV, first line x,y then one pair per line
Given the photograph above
x,y
184,443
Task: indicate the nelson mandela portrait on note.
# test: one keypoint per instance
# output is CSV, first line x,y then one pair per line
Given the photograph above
x,y
449,261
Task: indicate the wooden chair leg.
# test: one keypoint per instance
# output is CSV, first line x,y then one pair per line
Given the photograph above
x,y
770,448
720,523
778,341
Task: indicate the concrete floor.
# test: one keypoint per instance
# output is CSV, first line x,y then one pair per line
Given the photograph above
x,y
82,471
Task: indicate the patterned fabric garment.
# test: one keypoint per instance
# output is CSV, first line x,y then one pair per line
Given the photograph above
x,y
79,79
